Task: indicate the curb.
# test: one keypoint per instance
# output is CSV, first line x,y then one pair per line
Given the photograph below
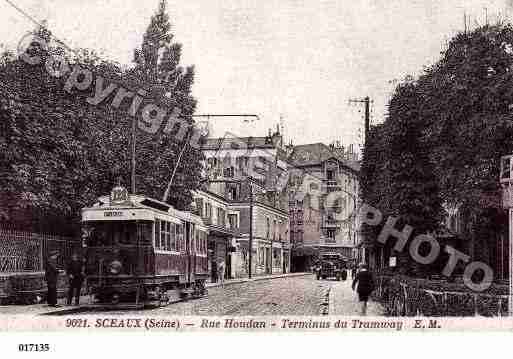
x,y
246,280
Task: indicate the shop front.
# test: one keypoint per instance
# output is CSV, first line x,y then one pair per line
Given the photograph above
x,y
220,249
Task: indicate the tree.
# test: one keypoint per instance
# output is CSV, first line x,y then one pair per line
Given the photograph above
x,y
59,154
468,93
158,70
414,193
443,138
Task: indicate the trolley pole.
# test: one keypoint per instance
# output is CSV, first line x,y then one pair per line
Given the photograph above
x,y
250,230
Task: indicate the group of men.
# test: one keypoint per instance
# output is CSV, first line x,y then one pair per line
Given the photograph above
x,y
75,276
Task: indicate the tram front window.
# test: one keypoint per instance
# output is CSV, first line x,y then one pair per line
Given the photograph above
x,y
109,234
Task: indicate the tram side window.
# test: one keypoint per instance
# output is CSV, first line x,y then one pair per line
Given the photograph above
x,y
164,235
157,234
179,235
173,245
168,237
204,242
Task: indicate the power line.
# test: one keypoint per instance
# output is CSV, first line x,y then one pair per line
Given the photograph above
x,y
32,19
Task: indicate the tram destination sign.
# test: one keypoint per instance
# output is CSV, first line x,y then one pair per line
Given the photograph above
x,y
132,214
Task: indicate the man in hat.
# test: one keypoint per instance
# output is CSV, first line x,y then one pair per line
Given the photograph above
x,y
364,284
75,278
51,277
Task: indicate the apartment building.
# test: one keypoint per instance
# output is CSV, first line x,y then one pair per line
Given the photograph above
x,y
323,196
242,181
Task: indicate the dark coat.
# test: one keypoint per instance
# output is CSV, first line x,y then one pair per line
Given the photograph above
x,y
51,273
74,268
364,281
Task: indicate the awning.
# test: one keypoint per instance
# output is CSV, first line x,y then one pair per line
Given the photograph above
x,y
305,251
221,231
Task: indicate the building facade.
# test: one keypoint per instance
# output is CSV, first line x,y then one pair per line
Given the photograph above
x,y
323,197
245,178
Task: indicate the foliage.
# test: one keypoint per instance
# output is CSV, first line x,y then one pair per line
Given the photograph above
x,y
444,136
58,154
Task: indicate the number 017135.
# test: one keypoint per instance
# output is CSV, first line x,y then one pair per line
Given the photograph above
x,y
33,347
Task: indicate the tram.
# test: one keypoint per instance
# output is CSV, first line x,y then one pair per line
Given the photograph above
x,y
142,252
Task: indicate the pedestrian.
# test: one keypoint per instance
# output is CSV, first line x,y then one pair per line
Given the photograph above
x,y
353,272
364,284
220,272
51,277
75,273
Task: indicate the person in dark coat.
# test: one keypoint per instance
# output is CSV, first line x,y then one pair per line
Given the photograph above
x,y
75,278
51,277
364,284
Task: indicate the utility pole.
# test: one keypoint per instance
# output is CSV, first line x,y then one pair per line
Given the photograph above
x,y
250,253
366,102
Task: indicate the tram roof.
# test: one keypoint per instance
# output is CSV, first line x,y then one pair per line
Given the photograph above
x,y
143,202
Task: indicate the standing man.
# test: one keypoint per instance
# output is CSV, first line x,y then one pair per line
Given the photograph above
x,y
51,277
75,278
364,284
220,271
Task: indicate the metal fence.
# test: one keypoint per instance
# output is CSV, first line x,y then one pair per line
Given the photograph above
x,y
22,251
402,297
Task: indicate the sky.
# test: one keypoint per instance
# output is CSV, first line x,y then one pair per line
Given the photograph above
x,y
299,61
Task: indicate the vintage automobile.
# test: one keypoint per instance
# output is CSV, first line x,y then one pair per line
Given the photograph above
x,y
331,265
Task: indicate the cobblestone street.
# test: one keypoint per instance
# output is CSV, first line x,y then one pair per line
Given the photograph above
x,y
299,295
283,296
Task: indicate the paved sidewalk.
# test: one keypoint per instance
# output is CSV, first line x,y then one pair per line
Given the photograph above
x,y
344,301
38,309
256,278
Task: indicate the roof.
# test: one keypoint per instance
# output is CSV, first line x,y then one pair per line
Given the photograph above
x,y
232,143
317,153
237,143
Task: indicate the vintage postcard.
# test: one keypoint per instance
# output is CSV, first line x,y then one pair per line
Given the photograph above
x,y
240,166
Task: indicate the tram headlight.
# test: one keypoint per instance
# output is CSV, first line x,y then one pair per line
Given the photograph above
x,y
115,267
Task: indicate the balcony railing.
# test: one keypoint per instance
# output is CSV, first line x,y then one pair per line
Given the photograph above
x,y
330,186
330,223
207,220
222,227
328,240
